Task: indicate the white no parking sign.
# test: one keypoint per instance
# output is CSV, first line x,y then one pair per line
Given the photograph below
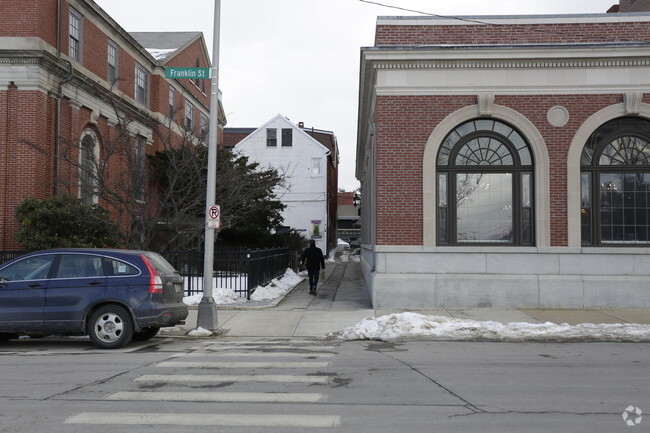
x,y
214,216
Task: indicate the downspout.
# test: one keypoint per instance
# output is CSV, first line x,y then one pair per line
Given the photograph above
x,y
59,95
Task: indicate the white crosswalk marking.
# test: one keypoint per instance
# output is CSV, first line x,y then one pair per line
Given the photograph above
x,y
248,420
219,378
257,354
254,364
219,397
213,356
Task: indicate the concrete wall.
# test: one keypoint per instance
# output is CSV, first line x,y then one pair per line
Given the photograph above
x,y
409,277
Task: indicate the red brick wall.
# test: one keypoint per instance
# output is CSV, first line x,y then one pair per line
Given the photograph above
x,y
29,116
404,124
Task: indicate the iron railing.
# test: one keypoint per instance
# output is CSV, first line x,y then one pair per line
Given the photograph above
x,y
241,270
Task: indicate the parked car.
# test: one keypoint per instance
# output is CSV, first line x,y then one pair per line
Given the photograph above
x,y
113,296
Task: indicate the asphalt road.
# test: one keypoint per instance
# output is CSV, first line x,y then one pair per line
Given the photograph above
x,y
309,385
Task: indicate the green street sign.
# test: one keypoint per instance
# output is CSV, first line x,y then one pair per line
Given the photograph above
x,y
192,73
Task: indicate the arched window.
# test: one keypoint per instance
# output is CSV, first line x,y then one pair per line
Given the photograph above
x,y
485,186
88,155
615,184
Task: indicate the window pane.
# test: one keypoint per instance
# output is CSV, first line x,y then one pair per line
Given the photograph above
x,y
624,207
31,268
287,137
526,190
79,266
87,170
484,207
484,151
271,137
315,167
585,208
442,190
443,218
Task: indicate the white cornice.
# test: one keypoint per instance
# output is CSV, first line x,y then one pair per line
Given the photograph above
x,y
514,19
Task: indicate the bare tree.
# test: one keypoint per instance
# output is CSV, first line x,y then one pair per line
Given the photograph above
x,y
158,199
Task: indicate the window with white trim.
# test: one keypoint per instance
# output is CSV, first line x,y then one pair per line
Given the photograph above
x,y
189,116
316,167
112,62
141,85
75,35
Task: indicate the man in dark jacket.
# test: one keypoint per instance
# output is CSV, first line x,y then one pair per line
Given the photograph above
x,y
313,259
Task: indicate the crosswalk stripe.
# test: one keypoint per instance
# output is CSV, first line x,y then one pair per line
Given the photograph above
x,y
211,378
255,354
221,347
218,397
195,419
243,364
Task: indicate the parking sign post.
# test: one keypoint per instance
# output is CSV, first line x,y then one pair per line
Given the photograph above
x,y
207,313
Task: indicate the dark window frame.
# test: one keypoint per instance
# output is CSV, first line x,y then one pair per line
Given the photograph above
x,y
592,213
447,172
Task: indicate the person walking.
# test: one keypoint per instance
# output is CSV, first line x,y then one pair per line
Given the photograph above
x,y
313,259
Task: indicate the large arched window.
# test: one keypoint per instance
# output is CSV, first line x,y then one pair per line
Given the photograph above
x,y
615,184
485,186
88,155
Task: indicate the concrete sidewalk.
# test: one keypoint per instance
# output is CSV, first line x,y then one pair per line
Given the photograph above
x,y
343,301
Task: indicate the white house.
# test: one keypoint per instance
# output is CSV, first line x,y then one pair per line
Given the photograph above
x,y
310,167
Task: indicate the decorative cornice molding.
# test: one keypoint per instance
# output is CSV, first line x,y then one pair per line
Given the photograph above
x,y
513,64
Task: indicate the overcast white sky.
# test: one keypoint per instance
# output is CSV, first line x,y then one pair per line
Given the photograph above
x,y
300,58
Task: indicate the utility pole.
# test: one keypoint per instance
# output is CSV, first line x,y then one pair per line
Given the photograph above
x,y
207,314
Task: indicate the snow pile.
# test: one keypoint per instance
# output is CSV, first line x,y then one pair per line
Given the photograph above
x,y
342,253
417,326
276,289
200,332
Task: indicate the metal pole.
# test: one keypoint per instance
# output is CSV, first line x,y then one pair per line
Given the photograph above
x,y
207,314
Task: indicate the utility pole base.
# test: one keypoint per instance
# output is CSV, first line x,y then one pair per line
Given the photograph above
x,y
207,314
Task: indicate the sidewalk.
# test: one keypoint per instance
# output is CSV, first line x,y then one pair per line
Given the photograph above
x,y
342,301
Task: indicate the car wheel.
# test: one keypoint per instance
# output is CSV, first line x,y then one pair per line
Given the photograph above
x,y
110,327
146,334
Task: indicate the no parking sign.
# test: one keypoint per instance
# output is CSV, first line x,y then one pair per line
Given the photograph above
x,y
214,216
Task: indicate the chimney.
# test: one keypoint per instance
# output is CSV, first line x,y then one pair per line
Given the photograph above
x,y
301,125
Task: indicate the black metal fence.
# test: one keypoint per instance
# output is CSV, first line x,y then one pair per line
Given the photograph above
x,y
242,271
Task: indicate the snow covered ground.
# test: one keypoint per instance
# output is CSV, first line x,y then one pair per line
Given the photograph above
x,y
414,326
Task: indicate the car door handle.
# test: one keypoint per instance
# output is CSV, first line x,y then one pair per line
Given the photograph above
x,y
95,283
34,286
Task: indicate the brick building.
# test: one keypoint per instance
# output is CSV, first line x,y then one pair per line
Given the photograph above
x,y
72,81
505,161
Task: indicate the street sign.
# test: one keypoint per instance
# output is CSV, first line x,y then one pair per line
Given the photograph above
x,y
214,216
192,73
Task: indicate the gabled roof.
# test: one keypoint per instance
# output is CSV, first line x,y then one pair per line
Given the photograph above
x,y
164,45
294,126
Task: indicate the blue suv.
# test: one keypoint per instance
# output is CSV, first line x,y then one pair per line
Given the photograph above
x,y
113,296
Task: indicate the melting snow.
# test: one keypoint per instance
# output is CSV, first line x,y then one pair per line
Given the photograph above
x,y
417,326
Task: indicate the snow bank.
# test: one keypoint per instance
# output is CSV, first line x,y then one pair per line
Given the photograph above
x,y
276,289
417,326
343,252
